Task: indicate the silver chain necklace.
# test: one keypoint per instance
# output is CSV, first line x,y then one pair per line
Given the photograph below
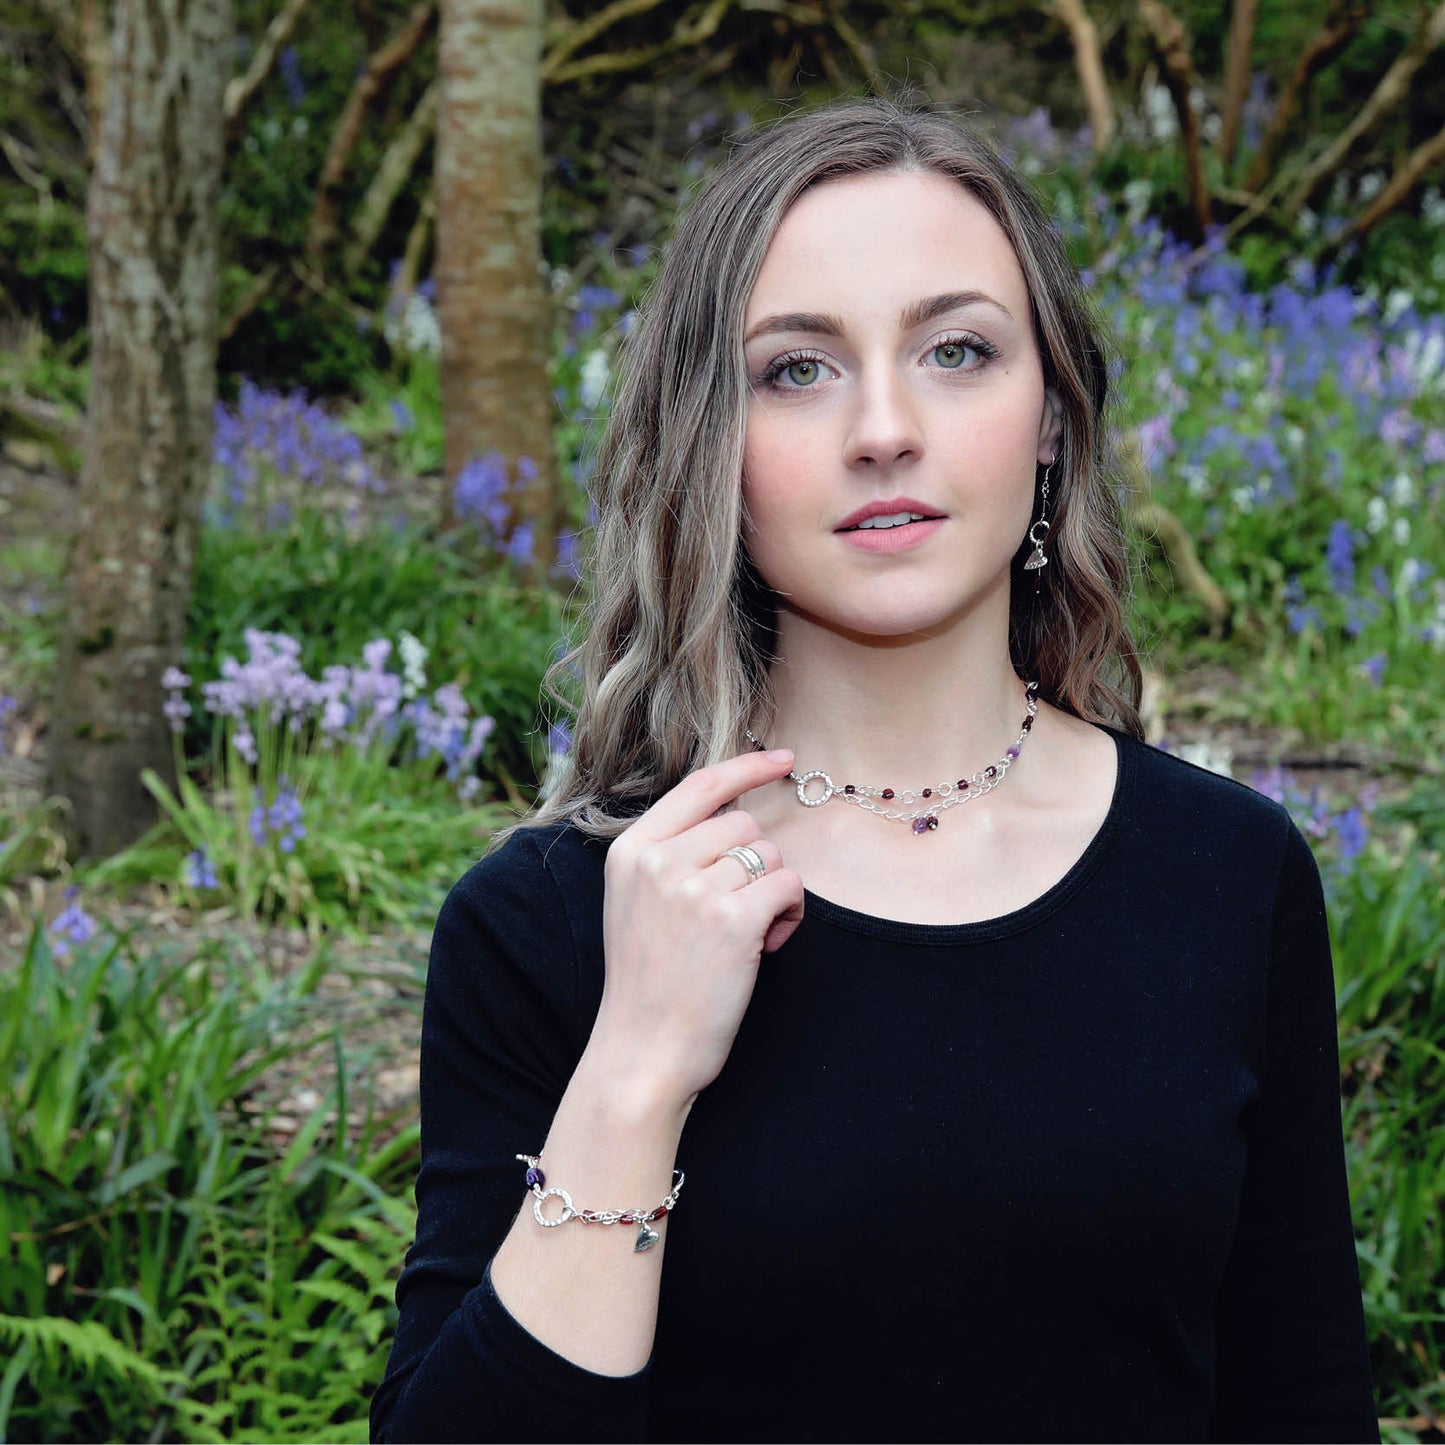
x,y
935,800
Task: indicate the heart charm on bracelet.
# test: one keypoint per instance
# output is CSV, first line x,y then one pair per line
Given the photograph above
x,y
646,1237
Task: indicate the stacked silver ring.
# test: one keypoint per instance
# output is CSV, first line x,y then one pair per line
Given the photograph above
x,y
750,858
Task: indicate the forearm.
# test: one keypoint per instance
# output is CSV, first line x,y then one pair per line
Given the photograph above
x,y
583,1289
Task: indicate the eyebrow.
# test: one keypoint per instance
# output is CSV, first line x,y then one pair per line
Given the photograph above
x,y
912,315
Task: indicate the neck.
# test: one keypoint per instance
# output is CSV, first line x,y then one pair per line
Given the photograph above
x,y
896,712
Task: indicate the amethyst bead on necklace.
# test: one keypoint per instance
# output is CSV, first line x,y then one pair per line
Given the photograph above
x,y
935,800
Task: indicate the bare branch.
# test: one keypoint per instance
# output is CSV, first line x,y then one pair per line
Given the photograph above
x,y
1407,176
242,87
1392,89
859,51
1167,33
391,176
407,274
1236,76
260,288
1338,29
381,69
574,38
685,36
1156,522
1090,66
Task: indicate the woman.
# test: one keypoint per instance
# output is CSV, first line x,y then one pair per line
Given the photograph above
x,y
998,1048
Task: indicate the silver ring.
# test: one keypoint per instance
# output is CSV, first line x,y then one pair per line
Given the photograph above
x,y
750,858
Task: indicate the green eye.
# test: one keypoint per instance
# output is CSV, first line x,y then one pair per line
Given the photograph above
x,y
802,372
951,354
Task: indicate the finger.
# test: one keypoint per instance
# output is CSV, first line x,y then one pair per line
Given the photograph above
x,y
703,845
782,928
778,898
731,873
700,794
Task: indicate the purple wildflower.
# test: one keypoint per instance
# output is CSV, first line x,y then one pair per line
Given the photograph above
x,y
559,739
566,564
1340,556
71,925
520,546
200,872
175,707
1373,668
1352,834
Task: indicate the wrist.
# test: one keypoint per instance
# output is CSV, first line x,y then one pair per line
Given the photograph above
x,y
626,1094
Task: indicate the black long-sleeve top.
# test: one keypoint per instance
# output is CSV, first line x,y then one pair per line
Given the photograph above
x,y
1072,1173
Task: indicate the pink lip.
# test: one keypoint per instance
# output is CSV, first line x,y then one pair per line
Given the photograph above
x,y
893,539
889,508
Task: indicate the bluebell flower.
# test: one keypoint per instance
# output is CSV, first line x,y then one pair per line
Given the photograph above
x,y
200,872
520,545
1340,556
71,925
1352,834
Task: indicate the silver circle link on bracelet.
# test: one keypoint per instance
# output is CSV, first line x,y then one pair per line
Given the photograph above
x,y
750,858
567,1209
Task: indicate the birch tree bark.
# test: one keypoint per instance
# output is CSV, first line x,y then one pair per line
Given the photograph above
x,y
493,303
153,244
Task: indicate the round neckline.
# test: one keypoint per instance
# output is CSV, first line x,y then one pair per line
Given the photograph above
x,y
898,930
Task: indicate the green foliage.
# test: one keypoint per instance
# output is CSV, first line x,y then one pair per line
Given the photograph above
x,y
171,1270
1389,940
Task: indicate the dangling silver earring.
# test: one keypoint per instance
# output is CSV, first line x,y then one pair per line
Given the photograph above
x,y
1039,531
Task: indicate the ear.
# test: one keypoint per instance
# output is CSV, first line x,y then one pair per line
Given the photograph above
x,y
1051,427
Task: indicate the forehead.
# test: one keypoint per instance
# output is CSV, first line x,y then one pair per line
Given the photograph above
x,y
877,241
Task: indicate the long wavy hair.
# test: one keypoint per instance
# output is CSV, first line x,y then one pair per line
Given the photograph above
x,y
674,662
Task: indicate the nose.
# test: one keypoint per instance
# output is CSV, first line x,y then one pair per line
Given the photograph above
x,y
883,428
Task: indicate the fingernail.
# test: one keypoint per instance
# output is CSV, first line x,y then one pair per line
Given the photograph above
x,y
780,755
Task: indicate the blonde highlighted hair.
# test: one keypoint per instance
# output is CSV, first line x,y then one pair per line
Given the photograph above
x,y
674,661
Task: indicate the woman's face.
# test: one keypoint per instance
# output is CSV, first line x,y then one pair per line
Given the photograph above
x,y
890,348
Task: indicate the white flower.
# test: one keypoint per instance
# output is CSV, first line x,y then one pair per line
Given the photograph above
x,y
416,330
1159,111
1196,480
1369,185
1377,514
1243,499
1294,438
1137,194
1397,303
1402,490
595,374
1432,208
1308,222
1401,531
1412,570
413,665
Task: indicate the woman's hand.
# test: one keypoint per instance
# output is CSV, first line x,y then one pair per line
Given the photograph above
x,y
684,930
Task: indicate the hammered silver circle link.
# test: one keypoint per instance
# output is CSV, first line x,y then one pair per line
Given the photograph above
x,y
1038,541
829,788
568,1212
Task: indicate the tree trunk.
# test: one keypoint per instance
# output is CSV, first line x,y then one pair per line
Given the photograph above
x,y
154,234
493,304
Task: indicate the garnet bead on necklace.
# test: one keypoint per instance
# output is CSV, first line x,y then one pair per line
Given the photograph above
x,y
937,799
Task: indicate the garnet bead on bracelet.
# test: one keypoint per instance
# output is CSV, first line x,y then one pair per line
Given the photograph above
x,y
935,800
